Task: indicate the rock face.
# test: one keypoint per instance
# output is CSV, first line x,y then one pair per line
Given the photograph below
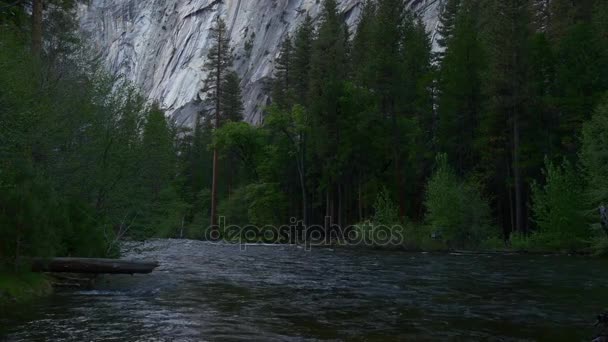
x,y
161,44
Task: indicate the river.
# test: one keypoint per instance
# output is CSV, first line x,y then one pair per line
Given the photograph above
x,y
217,292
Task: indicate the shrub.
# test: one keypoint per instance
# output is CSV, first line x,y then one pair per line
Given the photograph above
x,y
258,204
558,209
594,158
386,220
456,211
386,211
594,155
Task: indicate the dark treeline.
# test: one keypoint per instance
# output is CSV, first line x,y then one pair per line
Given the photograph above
x,y
488,139
500,136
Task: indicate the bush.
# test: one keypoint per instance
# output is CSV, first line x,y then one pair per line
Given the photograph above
x,y
258,204
558,209
36,221
594,158
386,211
456,211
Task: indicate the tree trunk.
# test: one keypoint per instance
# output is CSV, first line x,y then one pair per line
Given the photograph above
x,y
360,201
214,190
37,13
327,211
304,197
340,208
517,177
218,95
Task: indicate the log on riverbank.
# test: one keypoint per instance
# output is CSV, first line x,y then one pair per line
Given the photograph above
x,y
92,266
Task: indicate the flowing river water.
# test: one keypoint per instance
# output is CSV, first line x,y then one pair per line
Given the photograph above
x,y
217,292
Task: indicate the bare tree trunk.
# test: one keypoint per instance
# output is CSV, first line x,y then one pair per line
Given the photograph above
x,y
214,190
37,13
517,177
340,208
327,211
360,204
218,84
181,233
17,248
304,198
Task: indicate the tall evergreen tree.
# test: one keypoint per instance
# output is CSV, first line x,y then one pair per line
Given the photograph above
x,y
302,56
447,21
158,166
416,108
231,102
459,94
219,61
362,52
282,89
507,86
387,83
328,71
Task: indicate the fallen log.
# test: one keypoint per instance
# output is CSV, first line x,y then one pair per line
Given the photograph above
x,y
92,266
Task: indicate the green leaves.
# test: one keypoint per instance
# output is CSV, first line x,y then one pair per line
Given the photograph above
x,y
456,209
594,156
258,204
558,208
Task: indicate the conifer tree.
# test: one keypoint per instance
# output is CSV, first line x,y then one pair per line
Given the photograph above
x,y
302,55
502,122
416,108
459,94
363,53
328,71
282,89
158,166
447,21
388,81
231,102
219,61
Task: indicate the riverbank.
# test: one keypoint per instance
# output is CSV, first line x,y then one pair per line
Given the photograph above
x,y
23,287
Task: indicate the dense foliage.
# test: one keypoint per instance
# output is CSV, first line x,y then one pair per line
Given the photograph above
x,y
510,102
84,161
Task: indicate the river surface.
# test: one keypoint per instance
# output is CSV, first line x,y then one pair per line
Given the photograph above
x,y
212,292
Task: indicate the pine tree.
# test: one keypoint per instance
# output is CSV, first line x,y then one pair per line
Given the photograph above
x,y
302,56
158,167
447,21
363,53
580,80
506,112
460,98
328,71
231,102
415,104
282,89
387,81
219,61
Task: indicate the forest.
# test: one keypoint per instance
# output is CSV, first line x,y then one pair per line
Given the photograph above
x,y
495,139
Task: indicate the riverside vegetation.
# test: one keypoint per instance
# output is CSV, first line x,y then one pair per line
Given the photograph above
x,y
496,140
